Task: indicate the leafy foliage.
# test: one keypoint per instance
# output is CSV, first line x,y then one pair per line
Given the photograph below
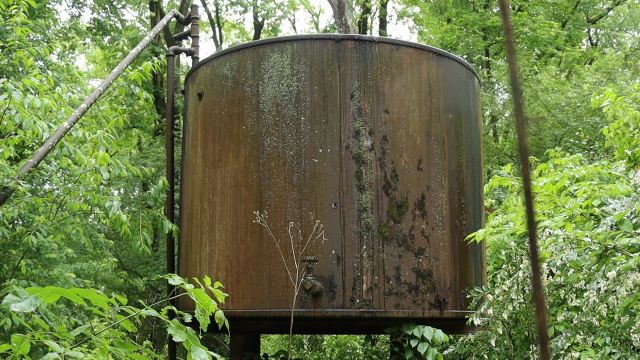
x,y
410,341
588,216
108,324
624,123
406,341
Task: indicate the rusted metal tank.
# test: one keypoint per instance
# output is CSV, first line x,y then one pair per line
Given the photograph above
x,y
378,139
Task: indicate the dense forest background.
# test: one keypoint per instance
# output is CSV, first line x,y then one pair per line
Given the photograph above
x,y
90,218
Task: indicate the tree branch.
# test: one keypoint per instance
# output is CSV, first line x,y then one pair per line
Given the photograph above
x,y
606,12
212,23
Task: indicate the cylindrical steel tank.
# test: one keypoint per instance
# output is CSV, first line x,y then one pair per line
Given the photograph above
x,y
378,139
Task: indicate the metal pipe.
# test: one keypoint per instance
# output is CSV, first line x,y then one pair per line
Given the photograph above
x,y
45,149
181,35
170,202
538,295
172,51
195,34
177,50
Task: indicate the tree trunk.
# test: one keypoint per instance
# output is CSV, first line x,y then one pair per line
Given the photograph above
x,y
363,21
212,23
258,24
343,16
382,18
219,23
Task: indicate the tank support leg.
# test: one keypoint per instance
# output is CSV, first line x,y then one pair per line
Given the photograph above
x,y
244,343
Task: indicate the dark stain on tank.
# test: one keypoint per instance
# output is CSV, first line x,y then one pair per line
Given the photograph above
x,y
420,208
397,210
355,289
390,183
333,288
419,251
365,303
421,291
384,151
440,303
384,231
425,235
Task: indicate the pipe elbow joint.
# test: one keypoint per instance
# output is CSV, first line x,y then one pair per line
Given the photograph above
x,y
177,50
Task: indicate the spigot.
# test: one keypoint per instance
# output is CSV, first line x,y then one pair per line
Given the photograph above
x,y
310,285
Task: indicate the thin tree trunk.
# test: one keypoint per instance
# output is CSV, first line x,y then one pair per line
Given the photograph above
x,y
382,18
258,24
219,23
212,23
363,21
343,16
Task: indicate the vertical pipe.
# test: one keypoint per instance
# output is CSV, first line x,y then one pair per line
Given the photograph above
x,y
538,295
194,52
195,34
169,210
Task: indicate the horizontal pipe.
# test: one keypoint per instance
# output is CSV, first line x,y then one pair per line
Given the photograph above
x,y
182,35
45,149
177,50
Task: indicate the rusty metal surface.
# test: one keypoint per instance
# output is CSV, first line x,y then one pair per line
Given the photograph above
x,y
377,139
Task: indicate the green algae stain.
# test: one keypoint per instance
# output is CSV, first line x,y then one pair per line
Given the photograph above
x,y
396,211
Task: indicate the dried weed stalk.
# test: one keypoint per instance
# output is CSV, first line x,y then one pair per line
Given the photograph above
x,y
297,246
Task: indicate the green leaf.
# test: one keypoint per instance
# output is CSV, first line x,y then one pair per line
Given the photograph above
x,y
93,296
176,331
124,346
51,356
51,294
21,344
105,172
122,300
629,323
422,347
54,346
221,320
198,352
21,301
79,330
127,324
431,354
625,225
175,280
408,327
427,332
439,337
414,342
408,352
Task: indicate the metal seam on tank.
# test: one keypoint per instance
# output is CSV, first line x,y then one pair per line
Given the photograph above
x,y
342,186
